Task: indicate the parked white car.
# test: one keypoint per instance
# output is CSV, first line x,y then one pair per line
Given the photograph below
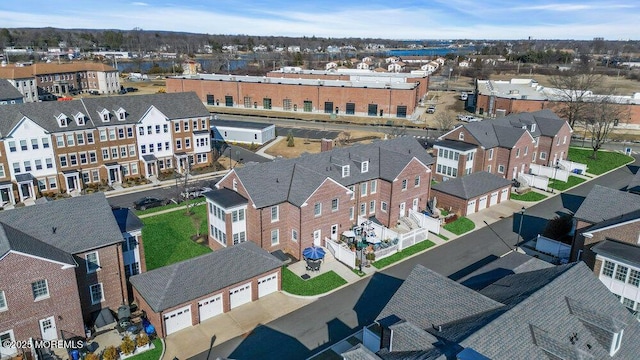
x,y
468,118
464,95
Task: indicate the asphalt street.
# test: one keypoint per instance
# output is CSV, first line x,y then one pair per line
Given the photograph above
x,y
336,316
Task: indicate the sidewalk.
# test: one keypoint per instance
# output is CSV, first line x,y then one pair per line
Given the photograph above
x,y
162,184
262,150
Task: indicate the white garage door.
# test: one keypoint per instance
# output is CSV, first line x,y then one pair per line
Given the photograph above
x,y
210,307
177,320
494,199
240,295
483,203
471,207
267,285
503,195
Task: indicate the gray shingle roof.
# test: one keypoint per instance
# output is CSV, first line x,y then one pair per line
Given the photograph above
x,y
512,263
187,280
127,220
560,312
456,145
603,203
472,185
172,105
294,180
81,223
226,198
359,352
8,91
12,239
634,184
623,252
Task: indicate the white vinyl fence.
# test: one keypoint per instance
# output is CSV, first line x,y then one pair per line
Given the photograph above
x,y
341,253
571,165
412,237
550,172
425,222
539,182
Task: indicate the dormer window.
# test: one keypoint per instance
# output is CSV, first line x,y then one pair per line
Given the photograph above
x,y
105,117
79,118
364,167
345,170
122,114
63,121
461,136
616,342
533,127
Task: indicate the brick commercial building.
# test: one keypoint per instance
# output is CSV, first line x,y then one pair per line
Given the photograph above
x,y
47,81
289,205
365,97
67,146
504,146
61,263
496,98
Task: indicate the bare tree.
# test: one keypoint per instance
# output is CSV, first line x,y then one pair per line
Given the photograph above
x,y
344,138
572,88
604,115
444,122
396,131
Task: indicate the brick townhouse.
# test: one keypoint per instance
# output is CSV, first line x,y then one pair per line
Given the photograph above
x,y
607,229
291,204
47,81
66,146
505,146
62,262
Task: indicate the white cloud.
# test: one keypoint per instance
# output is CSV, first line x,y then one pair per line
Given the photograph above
x,y
137,3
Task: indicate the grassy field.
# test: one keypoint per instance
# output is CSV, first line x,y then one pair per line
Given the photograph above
x,y
460,226
606,160
530,196
153,354
294,284
403,254
167,237
562,186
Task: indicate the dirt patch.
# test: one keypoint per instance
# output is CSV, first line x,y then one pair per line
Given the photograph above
x,y
312,146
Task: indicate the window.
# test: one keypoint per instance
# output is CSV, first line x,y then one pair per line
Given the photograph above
x,y
157,129
501,169
12,146
73,159
364,167
165,128
2,174
105,154
114,153
103,135
350,109
404,184
60,141
132,150
38,163
621,272
186,125
27,166
275,237
123,151
187,143
96,293
210,99
526,150
374,186
130,131
80,139
317,209
132,269
383,206
372,110
345,170
45,143
49,163
628,303
543,156
363,189
351,213
308,106
3,302
416,182
517,153
363,209
151,148
401,111
112,134
274,213
141,131
241,215
228,101
121,133
92,157
34,144
334,204
294,235
372,207
93,262
490,154
40,289
352,188
63,161
634,278
23,145
178,144
149,129
143,149
461,136
286,104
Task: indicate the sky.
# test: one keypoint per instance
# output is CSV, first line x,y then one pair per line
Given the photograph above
x,y
387,19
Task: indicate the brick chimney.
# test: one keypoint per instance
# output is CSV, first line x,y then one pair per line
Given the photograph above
x,y
326,145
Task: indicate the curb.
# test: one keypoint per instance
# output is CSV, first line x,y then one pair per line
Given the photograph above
x,y
164,348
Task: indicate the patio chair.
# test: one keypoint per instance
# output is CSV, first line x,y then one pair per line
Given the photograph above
x,y
309,264
316,265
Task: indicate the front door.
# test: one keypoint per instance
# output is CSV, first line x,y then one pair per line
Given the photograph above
x,y
415,204
317,236
334,232
113,175
48,329
402,209
70,183
24,189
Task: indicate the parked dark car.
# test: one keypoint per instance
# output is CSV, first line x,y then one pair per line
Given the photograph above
x,y
148,202
131,89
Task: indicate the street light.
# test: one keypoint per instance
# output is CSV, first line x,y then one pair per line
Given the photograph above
x,y
520,228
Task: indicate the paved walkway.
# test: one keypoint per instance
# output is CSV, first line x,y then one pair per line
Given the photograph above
x,y
262,150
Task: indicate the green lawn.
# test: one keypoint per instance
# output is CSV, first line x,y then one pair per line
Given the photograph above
x,y
460,226
153,354
403,254
607,160
167,237
561,185
440,236
172,205
530,196
294,284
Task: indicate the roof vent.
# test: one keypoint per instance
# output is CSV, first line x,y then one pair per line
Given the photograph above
x,y
277,180
53,229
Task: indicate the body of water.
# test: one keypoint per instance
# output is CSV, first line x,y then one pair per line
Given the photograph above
x,y
438,51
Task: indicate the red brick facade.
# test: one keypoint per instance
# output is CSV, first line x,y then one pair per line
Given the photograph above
x,y
459,206
156,318
23,313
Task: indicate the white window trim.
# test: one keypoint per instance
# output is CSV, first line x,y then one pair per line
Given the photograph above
x,y
277,217
86,259
374,186
277,232
383,205
364,167
317,206
42,297
490,154
4,300
93,302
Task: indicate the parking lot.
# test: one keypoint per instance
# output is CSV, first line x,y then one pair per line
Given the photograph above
x,y
307,133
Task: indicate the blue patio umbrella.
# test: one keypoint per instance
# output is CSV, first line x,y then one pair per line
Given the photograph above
x,y
313,253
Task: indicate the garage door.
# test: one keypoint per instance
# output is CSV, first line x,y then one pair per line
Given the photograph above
x,y
471,207
210,307
494,199
240,295
177,320
267,285
483,203
503,195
